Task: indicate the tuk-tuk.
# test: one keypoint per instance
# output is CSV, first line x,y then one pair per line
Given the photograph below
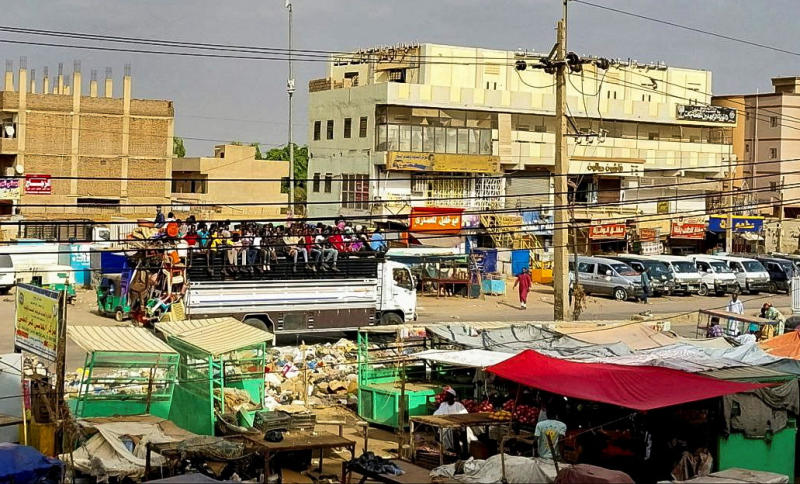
x,y
111,300
54,277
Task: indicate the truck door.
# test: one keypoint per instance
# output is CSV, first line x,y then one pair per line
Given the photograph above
x,y
403,294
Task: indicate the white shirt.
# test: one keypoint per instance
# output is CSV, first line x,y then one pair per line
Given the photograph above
x,y
736,307
447,409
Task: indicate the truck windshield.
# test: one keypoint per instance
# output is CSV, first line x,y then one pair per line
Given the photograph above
x,y
657,268
682,266
720,266
624,270
787,267
753,266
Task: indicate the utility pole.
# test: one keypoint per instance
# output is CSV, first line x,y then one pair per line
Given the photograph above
x,y
561,232
780,216
290,91
729,227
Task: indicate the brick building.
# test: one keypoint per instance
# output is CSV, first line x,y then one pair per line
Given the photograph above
x,y
54,128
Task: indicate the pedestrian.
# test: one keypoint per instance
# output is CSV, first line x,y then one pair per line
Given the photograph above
x,y
735,306
645,285
159,221
772,313
524,282
715,330
547,434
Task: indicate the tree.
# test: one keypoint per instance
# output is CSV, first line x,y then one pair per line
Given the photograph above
x,y
177,147
300,168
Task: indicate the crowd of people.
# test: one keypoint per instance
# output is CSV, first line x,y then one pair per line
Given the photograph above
x,y
257,247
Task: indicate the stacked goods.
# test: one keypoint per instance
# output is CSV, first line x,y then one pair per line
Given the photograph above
x,y
522,413
473,406
500,415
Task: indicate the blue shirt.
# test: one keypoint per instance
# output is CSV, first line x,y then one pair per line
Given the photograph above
x,y
377,242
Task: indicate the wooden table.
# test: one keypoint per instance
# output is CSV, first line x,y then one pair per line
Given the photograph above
x,y
454,421
299,441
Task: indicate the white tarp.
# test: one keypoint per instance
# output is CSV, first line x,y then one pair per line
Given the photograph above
x,y
473,358
518,470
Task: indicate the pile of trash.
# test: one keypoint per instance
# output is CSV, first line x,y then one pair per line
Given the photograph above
x,y
324,374
129,381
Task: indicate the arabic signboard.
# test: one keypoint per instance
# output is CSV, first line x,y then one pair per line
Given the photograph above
x,y
408,161
36,325
681,230
607,232
711,114
647,235
434,219
719,223
9,189
38,185
606,167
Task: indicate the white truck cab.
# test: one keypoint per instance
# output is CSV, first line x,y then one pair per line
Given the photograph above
x,y
751,275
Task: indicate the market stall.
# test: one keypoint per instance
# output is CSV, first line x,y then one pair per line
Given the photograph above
x,y
221,372
127,371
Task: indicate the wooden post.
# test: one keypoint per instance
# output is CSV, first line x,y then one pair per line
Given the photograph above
x,y
61,351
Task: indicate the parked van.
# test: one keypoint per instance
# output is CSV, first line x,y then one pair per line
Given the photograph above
x,y
687,279
751,276
793,258
717,277
661,279
610,277
780,273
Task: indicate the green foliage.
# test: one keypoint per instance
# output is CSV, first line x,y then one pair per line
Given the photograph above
x,y
177,147
300,167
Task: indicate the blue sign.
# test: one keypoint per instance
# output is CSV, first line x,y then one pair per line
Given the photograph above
x,y
719,223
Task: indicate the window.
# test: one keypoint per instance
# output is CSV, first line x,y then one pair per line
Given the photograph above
x,y
603,269
103,202
451,144
405,137
362,127
328,182
315,183
703,267
773,121
330,129
427,139
348,127
586,267
397,75
382,144
747,147
402,278
393,143
317,129
773,153
773,186
416,138
355,191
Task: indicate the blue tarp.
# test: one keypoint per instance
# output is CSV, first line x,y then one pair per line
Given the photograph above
x,y
520,259
20,463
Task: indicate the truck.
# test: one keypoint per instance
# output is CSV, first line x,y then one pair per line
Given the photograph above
x,y
365,291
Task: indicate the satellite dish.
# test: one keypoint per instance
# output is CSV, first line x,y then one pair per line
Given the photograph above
x,y
9,129
20,169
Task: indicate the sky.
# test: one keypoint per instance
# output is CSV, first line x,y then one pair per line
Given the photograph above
x,y
245,100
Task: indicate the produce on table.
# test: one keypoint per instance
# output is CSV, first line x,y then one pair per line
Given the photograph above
x,y
500,415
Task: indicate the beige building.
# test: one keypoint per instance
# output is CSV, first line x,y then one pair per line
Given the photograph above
x,y
393,125
232,184
768,144
54,128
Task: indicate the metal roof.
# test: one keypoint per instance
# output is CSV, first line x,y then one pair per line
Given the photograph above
x,y
172,328
117,339
748,373
223,336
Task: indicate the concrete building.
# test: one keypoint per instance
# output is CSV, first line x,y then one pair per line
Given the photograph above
x,y
768,135
53,129
409,118
233,176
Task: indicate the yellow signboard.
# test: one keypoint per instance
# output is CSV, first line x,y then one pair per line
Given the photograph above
x,y
38,313
408,161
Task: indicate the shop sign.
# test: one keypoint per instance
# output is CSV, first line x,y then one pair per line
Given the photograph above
x,y
651,248
9,189
37,320
647,235
443,220
596,166
38,185
719,223
662,207
538,223
682,230
607,232
712,114
408,161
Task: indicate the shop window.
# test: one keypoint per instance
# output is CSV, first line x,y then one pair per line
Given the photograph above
x,y
317,130
330,129
348,127
362,127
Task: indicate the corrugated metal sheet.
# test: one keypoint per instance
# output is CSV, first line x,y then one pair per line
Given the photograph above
x,y
223,336
748,373
530,191
171,328
117,338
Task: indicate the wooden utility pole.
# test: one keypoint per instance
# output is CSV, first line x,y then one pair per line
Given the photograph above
x,y
780,216
561,219
729,228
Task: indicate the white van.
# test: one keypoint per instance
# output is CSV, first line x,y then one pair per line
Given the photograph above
x,y
751,275
687,279
717,277
18,260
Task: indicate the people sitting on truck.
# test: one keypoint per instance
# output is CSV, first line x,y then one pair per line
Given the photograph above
x,y
377,242
268,248
159,220
202,235
191,236
330,255
296,246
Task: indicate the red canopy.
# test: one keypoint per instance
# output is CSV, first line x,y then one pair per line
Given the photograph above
x,y
637,387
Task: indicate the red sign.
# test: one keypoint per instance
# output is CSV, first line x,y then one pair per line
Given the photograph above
x,y
38,185
647,235
607,231
682,230
435,219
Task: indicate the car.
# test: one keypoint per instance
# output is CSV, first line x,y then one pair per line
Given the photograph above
x,y
780,272
751,276
687,278
716,276
600,275
662,281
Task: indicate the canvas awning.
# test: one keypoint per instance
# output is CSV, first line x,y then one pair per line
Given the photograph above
x,y
639,388
468,358
223,336
172,328
117,339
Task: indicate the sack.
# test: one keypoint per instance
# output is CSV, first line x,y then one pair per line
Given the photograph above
x,y
274,436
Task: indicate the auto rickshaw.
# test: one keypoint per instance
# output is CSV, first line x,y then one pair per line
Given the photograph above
x,y
54,277
111,300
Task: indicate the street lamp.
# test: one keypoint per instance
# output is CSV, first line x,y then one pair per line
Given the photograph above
x,y
290,91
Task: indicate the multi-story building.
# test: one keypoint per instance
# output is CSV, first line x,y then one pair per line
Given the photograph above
x,y
94,157
231,184
434,125
768,146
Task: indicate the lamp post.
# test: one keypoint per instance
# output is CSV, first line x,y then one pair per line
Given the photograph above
x,y
290,91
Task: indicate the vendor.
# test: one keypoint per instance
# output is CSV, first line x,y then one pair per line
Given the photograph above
x,y
455,440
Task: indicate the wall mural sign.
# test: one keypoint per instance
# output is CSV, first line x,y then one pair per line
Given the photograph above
x,y
712,114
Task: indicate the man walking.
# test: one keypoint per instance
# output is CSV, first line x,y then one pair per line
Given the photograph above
x,y
645,285
734,306
524,282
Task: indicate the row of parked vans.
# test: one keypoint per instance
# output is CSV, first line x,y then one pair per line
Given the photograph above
x,y
619,275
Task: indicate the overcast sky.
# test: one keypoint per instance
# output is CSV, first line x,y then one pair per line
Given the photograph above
x,y
246,100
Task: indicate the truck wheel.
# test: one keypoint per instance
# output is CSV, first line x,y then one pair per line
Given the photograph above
x,y
703,290
391,319
119,315
620,294
773,288
256,323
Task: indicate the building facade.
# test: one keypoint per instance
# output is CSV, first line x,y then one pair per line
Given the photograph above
x,y
434,125
79,155
233,184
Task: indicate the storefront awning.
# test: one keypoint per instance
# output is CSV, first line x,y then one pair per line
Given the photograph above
x,y
636,387
468,358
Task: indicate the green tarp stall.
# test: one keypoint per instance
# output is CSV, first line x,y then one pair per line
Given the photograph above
x,y
128,371
215,354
